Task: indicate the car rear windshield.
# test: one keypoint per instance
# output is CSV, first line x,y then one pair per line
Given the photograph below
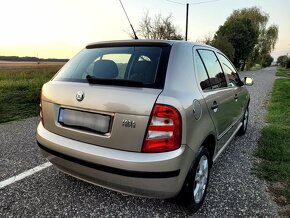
x,y
141,66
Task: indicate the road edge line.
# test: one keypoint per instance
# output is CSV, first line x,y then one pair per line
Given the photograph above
x,y
24,175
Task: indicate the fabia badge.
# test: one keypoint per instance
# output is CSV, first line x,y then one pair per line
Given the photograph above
x,y
129,124
80,95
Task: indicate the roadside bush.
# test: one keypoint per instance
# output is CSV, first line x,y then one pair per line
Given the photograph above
x,y
282,60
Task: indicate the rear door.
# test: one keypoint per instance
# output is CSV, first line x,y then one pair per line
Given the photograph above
x,y
215,91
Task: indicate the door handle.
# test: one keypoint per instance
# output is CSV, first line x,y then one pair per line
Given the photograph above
x,y
236,97
214,106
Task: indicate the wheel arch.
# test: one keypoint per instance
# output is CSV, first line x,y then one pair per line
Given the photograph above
x,y
210,143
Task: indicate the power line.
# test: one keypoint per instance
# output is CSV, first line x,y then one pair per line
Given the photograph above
x,y
180,3
187,8
192,3
198,3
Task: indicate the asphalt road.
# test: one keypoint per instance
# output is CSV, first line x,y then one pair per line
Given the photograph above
x,y
233,191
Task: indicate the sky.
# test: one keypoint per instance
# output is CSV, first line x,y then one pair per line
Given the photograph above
x,y
61,28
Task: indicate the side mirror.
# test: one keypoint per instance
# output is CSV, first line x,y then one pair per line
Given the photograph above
x,y
248,81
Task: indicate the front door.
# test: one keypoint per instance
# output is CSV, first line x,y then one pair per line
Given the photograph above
x,y
237,93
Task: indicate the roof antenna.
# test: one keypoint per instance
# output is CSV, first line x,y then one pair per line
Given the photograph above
x,y
128,20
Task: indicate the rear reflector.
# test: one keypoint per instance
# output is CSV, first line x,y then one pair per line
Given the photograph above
x,y
164,130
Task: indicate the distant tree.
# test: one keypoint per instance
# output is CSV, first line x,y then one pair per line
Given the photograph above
x,y
30,59
239,33
267,37
266,43
246,29
266,60
158,27
223,44
207,39
282,60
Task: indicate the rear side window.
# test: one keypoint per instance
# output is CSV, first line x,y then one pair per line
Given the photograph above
x,y
201,73
146,65
213,68
230,72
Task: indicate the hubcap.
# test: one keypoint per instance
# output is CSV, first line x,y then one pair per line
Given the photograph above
x,y
200,180
246,119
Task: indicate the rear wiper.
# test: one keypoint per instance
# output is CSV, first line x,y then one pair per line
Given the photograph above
x,y
116,82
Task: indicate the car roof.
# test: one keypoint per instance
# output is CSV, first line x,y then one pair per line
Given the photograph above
x,y
146,42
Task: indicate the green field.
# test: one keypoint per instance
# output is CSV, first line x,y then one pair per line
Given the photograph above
x,y
274,144
20,85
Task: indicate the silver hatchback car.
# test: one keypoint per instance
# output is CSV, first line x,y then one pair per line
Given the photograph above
x,y
143,117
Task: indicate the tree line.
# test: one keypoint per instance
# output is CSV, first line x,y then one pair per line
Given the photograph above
x,y
245,37
31,59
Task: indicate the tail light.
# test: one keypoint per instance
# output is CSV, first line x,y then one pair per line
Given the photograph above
x,y
40,109
164,130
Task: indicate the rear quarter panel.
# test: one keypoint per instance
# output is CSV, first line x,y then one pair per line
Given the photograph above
x,y
180,90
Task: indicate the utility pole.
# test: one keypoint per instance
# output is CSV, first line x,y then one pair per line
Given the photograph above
x,y
187,8
186,27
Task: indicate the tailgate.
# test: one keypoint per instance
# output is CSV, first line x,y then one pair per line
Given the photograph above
x,y
108,116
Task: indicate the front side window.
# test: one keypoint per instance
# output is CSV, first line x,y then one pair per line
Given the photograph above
x,y
214,70
230,72
144,65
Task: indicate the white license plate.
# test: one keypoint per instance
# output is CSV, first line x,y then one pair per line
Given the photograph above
x,y
84,120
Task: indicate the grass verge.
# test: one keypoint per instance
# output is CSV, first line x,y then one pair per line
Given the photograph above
x,y
274,145
20,88
283,72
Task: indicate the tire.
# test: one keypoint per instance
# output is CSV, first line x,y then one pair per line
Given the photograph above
x,y
194,189
245,121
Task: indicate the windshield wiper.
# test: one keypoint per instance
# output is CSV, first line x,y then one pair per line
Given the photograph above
x,y
116,82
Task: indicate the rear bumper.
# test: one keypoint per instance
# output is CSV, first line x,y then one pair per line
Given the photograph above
x,y
159,175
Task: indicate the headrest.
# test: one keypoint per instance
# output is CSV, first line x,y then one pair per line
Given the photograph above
x,y
142,66
106,69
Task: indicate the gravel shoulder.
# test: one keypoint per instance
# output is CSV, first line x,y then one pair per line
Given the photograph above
x,y
233,192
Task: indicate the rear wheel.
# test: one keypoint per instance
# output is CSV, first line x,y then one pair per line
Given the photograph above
x,y
244,126
194,189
